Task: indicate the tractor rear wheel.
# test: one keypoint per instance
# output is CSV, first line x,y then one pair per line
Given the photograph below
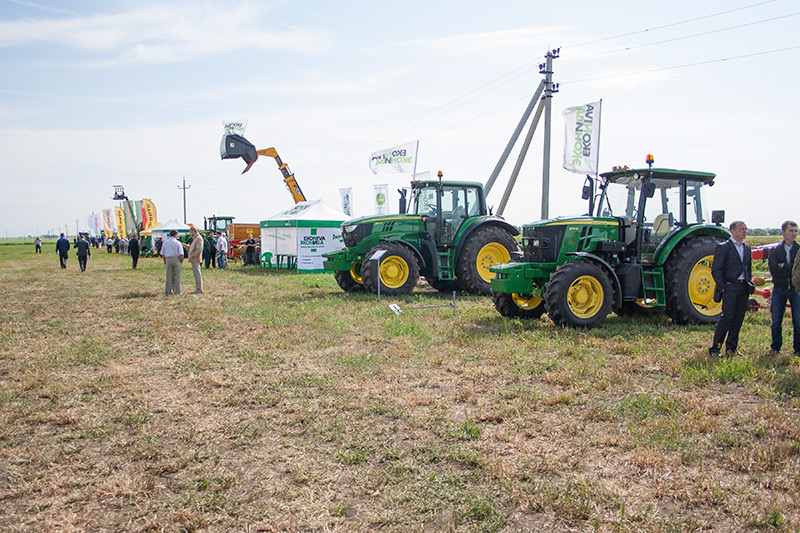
x,y
350,280
579,294
518,305
689,285
397,270
484,247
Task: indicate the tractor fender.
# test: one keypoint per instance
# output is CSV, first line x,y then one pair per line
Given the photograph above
x,y
617,303
484,223
672,241
417,253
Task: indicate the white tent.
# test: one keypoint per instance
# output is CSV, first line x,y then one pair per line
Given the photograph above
x,y
163,230
302,234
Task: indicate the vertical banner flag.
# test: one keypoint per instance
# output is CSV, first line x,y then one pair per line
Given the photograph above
x,y
401,158
380,198
582,138
120,222
130,216
347,200
139,215
150,211
108,222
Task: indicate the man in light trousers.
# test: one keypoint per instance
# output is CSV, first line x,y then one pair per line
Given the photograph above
x,y
195,254
172,254
222,251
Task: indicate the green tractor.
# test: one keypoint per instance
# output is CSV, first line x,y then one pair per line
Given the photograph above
x,y
645,247
449,238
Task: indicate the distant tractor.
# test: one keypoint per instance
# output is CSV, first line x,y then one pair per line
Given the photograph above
x,y
645,247
449,238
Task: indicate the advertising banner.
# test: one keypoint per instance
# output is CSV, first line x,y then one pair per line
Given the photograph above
x,y
149,208
120,214
109,224
381,192
401,158
347,200
582,138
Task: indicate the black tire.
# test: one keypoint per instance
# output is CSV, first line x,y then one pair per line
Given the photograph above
x,y
444,285
397,270
517,305
689,285
347,282
579,294
484,247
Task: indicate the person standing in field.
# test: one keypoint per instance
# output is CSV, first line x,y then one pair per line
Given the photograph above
x,y
209,251
133,248
172,254
195,255
732,273
781,259
62,249
38,243
250,250
83,251
222,251
109,244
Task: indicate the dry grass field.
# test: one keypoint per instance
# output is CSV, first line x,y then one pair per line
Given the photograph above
x,y
276,402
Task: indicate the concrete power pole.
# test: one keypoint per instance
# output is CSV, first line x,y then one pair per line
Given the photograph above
x,y
550,88
184,198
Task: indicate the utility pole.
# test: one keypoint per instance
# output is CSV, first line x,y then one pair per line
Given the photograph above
x,y
550,88
184,198
77,231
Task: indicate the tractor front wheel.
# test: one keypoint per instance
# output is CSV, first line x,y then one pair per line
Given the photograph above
x,y
518,305
579,294
350,280
484,247
397,270
689,285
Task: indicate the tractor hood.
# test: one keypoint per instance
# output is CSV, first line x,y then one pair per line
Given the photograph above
x,y
376,218
583,220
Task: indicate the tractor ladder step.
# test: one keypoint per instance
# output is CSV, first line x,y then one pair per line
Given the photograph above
x,y
653,284
445,267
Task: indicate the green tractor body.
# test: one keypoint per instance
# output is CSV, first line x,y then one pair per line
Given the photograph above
x,y
647,246
448,237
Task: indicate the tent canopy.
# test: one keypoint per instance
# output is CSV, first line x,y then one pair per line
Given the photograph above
x,y
305,231
169,225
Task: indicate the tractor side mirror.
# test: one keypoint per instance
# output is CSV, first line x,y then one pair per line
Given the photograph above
x,y
718,217
587,192
650,189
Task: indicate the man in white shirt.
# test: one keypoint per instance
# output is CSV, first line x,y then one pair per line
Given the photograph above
x,y
222,251
172,254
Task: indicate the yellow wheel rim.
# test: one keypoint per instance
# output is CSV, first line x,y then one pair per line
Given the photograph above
x,y
585,297
701,288
355,272
394,272
492,254
526,302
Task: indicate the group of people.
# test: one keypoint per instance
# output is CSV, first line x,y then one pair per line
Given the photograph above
x,y
732,272
83,249
198,250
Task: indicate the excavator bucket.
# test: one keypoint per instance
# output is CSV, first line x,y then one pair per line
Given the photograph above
x,y
234,146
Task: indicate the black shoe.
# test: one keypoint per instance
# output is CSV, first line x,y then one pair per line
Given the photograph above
x,y
714,351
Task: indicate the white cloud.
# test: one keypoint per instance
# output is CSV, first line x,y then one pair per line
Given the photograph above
x,y
161,33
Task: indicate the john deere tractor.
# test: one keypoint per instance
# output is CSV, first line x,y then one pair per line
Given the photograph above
x,y
449,238
645,247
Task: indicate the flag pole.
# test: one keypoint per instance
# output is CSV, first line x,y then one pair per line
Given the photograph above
x,y
416,155
600,122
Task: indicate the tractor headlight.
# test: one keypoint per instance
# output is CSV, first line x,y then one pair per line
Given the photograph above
x,y
350,228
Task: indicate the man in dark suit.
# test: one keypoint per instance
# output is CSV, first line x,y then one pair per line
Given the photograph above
x,y
62,249
83,252
732,272
781,259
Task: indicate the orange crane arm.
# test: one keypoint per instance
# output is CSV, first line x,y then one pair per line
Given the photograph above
x,y
288,177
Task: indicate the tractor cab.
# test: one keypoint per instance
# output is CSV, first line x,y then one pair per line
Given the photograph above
x,y
651,204
445,206
216,224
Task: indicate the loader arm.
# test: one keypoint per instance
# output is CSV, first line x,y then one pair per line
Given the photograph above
x,y
288,177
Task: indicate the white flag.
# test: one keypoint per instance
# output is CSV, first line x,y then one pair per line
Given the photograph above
x,y
347,200
582,138
401,158
381,191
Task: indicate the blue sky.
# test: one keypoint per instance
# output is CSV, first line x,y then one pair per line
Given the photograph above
x,y
94,94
